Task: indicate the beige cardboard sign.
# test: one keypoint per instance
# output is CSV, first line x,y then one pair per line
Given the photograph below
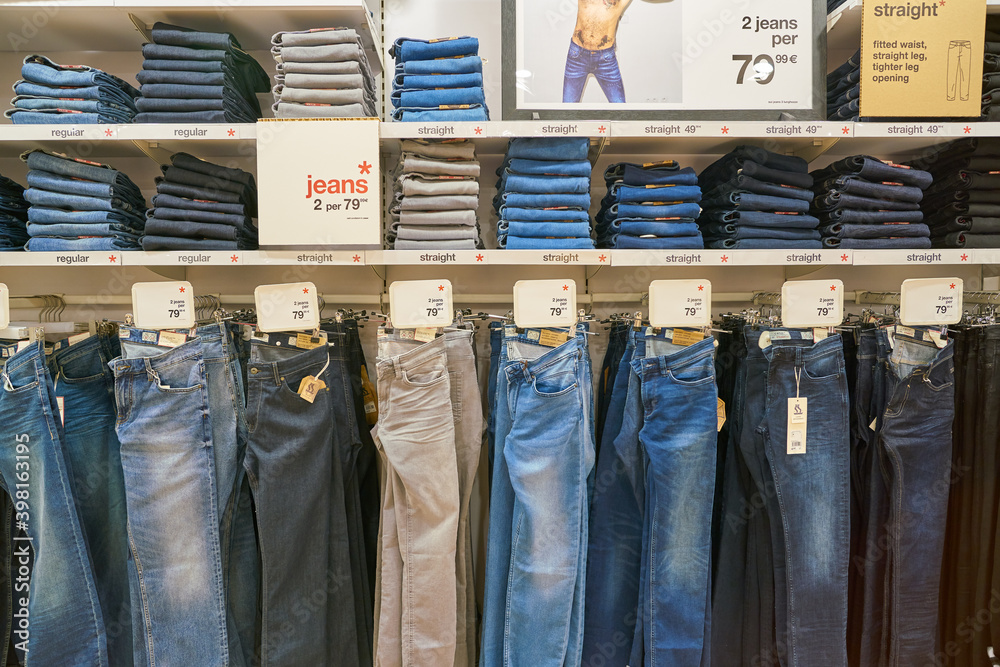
x,y
922,58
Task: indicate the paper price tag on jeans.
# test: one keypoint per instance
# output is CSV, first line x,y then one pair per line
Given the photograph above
x,y
812,303
4,306
931,301
288,307
163,305
680,303
421,304
544,303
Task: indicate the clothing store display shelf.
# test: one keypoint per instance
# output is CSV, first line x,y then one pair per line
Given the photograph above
x,y
687,259
107,25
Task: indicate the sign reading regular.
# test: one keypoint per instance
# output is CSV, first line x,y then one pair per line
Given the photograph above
x,y
319,184
922,58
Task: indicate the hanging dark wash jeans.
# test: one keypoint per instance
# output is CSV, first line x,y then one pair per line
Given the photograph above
x,y
293,461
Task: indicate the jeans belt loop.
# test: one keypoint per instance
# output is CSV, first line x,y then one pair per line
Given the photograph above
x,y
664,366
798,357
150,373
396,369
528,377
276,374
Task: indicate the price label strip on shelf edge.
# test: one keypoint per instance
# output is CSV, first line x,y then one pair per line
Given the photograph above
x,y
812,303
545,303
421,303
287,307
163,305
931,301
680,303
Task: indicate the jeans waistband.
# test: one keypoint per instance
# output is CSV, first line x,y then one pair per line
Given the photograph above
x,y
149,366
700,351
29,355
800,354
797,338
63,353
273,371
397,365
575,346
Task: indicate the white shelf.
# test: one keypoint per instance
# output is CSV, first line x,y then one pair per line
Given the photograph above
x,y
537,258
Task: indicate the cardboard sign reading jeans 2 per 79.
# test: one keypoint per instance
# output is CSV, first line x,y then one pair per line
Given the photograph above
x,y
922,58
318,183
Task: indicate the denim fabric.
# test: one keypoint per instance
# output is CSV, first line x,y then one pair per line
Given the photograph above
x,y
666,193
772,175
541,230
409,185
322,53
196,230
172,35
548,167
331,96
744,183
181,77
153,64
183,117
440,203
170,201
544,493
435,233
294,110
74,202
462,65
642,227
765,158
851,64
94,92
170,484
519,243
201,216
109,109
834,200
429,98
150,242
851,216
42,180
464,218
943,208
966,240
407,244
405,48
627,242
716,230
60,117
169,52
879,244
350,76
603,64
189,91
53,216
312,553
859,186
746,201
543,215
434,81
86,229
82,244
496,342
545,184
184,176
474,112
842,231
65,624
764,244
656,212
541,201
39,69
761,219
878,171
549,148
316,36
209,193
668,172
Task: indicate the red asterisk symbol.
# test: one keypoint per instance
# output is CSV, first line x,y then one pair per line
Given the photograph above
x,y
479,130
305,290
479,257
357,258
440,288
701,288
965,258
602,258
601,129
235,258
952,286
941,3
112,259
846,130
843,258
180,289
833,288
968,130
365,167
725,259
565,288
108,132
725,130
232,132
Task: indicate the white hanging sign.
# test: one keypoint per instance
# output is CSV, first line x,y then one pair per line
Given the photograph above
x,y
931,301
421,303
287,307
812,303
545,303
680,303
163,305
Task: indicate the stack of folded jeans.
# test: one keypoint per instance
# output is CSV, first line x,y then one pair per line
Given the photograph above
x,y
865,203
991,70
52,93
322,73
962,207
843,90
756,199
13,215
543,195
437,194
202,206
438,80
190,76
79,206
650,206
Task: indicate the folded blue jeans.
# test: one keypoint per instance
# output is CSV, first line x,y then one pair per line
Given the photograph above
x,y
545,184
199,230
430,98
84,229
527,229
852,216
764,244
475,112
522,243
541,201
548,167
210,217
30,103
60,117
44,180
856,185
461,65
181,77
717,230
406,48
878,171
104,93
76,202
56,216
746,201
39,69
761,219
627,242
849,231
81,244
663,193
662,173
150,243
544,215
170,201
433,81
744,183
549,148
654,211
73,168
920,243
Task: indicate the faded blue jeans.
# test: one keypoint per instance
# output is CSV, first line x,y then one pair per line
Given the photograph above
x,y
603,64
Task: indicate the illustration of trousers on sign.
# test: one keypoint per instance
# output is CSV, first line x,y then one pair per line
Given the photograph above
x,y
959,68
